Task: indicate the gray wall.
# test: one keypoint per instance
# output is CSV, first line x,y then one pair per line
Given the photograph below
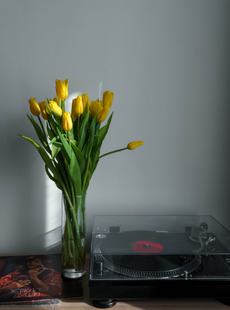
x,y
167,62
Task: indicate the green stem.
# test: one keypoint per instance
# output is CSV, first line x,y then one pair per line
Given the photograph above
x,y
73,196
68,230
83,214
78,123
68,138
62,106
113,152
73,251
84,188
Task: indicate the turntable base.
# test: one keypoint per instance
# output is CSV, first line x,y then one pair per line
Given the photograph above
x,y
159,257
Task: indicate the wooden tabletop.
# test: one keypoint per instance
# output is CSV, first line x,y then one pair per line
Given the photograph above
x,y
154,304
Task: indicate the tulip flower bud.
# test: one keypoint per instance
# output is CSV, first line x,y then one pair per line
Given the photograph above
x,y
67,121
43,106
108,98
96,106
77,107
101,116
134,145
55,99
85,100
34,107
53,106
62,89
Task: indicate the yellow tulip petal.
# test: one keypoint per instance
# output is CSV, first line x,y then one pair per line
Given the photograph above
x,y
101,116
62,89
96,106
85,100
134,145
108,98
67,123
43,106
53,106
55,99
77,106
34,107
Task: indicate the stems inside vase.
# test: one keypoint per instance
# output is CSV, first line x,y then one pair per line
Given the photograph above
x,y
73,245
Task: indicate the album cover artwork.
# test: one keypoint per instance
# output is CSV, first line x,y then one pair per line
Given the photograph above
x,y
30,279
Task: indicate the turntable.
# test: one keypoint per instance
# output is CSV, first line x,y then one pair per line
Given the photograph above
x,y
156,256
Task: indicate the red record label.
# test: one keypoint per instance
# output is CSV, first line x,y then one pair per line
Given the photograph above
x,y
147,247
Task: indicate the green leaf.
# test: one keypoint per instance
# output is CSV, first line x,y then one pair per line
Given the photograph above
x,y
53,179
53,124
79,156
85,112
87,150
43,154
66,147
56,148
88,175
75,174
97,146
98,127
83,129
91,135
54,139
40,134
71,134
50,132
73,142
61,166
103,131
84,150
55,113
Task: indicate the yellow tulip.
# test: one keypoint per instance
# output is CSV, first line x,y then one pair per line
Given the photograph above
x,y
108,98
96,106
101,116
67,121
77,107
85,100
53,106
55,99
62,89
43,106
34,107
134,145
102,112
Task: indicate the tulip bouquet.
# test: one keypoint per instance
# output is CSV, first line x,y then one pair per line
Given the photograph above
x,y
70,148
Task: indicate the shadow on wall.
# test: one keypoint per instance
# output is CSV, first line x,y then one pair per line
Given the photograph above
x,y
30,201
45,218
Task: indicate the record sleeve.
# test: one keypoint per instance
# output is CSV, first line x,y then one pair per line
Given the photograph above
x,y
14,269
30,279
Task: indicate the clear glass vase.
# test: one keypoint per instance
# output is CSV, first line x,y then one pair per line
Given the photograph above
x,y
73,236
